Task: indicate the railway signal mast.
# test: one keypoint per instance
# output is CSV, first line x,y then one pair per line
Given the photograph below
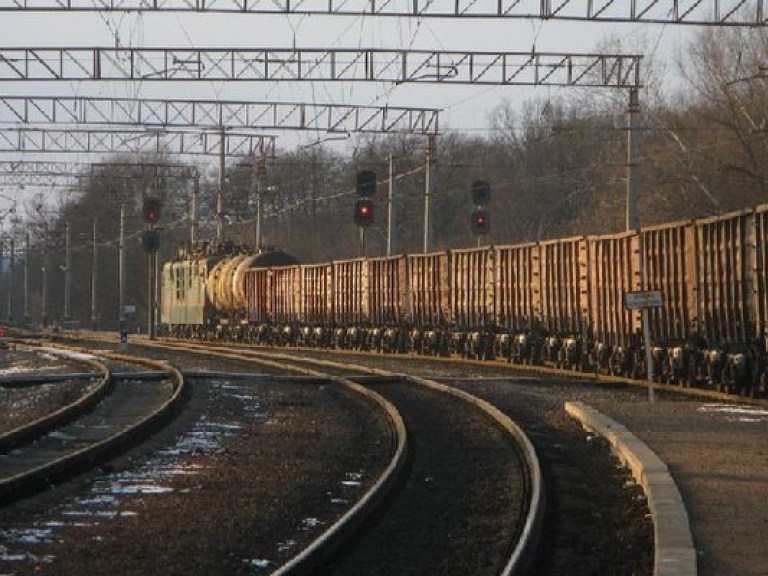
x,y
480,220
364,211
151,208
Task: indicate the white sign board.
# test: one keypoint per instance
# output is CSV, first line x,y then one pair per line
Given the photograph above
x,y
130,309
646,299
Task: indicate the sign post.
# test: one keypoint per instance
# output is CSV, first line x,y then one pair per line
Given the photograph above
x,y
643,301
128,309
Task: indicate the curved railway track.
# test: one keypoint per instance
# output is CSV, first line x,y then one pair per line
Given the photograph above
x,y
466,500
587,532
109,418
29,431
572,529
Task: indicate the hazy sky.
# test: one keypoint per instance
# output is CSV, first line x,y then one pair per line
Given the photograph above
x,y
463,107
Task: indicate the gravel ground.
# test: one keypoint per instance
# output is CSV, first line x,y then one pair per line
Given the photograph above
x,y
717,452
458,508
252,471
21,362
597,518
247,475
22,405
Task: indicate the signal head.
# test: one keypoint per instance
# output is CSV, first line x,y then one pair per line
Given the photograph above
x,y
480,222
151,209
364,212
366,183
481,192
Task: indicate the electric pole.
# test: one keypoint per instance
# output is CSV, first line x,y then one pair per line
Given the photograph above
x,y
67,273
633,111
429,190
95,279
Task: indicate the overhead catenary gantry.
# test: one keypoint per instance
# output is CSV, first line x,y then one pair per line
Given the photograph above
x,y
39,179
322,64
37,173
107,141
694,12
156,169
447,67
162,118
212,114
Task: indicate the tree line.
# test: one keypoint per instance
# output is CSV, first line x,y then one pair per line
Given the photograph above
x,y
557,167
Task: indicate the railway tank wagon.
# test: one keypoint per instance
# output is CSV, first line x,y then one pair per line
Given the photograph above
x,y
202,295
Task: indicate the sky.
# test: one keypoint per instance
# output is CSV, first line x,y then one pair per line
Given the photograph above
x,y
464,108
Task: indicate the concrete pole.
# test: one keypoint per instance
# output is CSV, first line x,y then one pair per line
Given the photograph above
x,y
95,279
26,278
151,295
10,281
2,247
633,221
67,272
156,302
220,194
193,218
259,178
121,272
390,206
429,190
633,112
44,299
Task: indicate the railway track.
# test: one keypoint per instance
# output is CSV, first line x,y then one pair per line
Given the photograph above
x,y
460,496
573,467
28,431
110,417
586,531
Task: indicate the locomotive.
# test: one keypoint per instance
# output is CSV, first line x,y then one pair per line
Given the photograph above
x,y
202,289
557,301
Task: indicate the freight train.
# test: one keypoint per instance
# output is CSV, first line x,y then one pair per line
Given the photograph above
x,y
557,301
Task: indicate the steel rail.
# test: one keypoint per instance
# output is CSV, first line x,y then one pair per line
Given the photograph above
x,y
524,549
338,533
14,487
43,425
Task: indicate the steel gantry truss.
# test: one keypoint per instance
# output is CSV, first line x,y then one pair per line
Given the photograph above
x,y
320,64
140,169
38,173
39,179
105,141
165,113
697,12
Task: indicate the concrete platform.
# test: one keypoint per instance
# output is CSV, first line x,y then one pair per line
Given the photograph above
x,y
717,455
674,553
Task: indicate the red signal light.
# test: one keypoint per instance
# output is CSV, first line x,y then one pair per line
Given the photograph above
x,y
364,212
480,222
151,209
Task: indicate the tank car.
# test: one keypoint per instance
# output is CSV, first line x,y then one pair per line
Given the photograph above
x,y
203,292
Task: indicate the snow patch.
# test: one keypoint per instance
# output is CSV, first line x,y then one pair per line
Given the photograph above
x,y
737,413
